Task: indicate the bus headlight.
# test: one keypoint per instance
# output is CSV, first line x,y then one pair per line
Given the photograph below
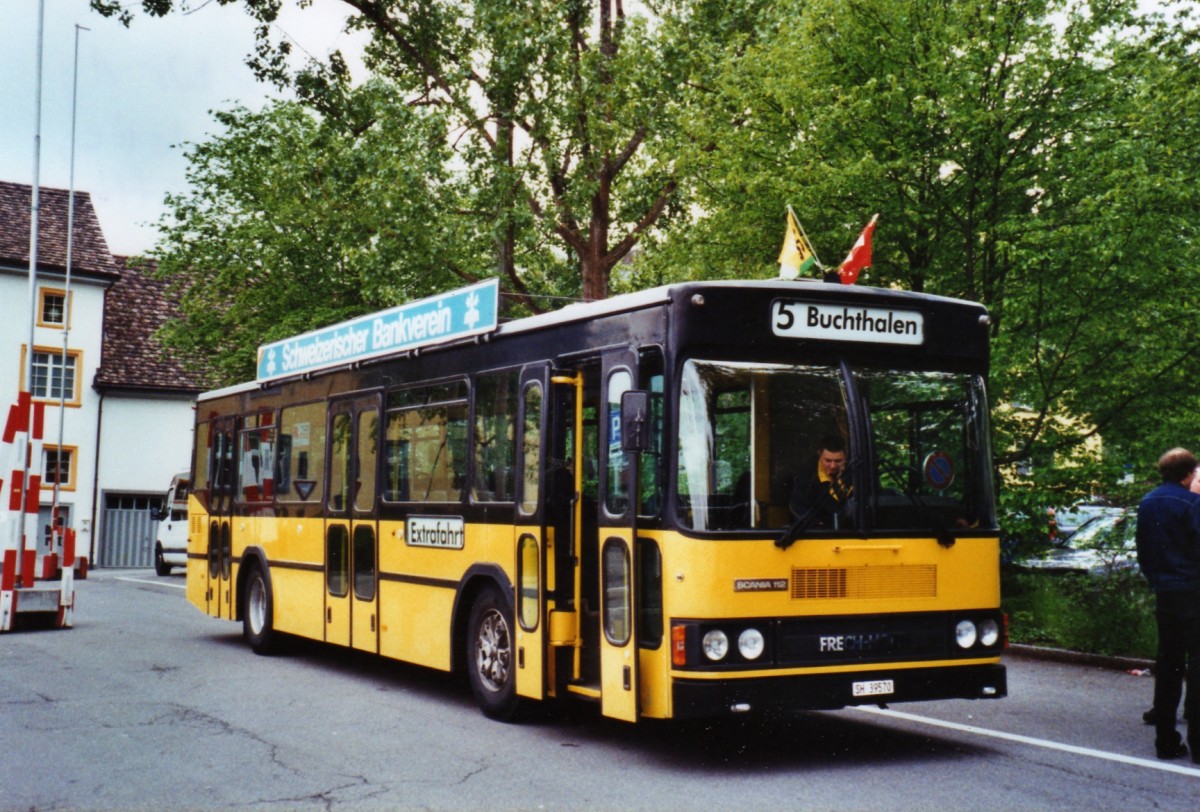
x,y
989,632
964,634
751,644
715,645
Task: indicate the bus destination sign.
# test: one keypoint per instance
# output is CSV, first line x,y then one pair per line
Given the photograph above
x,y
830,322
457,314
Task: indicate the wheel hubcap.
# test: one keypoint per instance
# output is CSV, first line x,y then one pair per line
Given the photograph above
x,y
493,651
258,606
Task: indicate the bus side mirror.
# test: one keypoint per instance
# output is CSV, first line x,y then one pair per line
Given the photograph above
x,y
635,421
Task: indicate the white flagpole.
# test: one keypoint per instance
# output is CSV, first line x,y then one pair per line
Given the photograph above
x,y
62,390
34,206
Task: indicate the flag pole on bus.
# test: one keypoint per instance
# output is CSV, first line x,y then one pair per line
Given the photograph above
x,y
797,256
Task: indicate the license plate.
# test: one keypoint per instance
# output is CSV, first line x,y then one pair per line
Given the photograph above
x,y
877,687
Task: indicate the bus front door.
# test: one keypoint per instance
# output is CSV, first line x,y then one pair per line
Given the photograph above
x,y
563,514
351,540
534,534
616,528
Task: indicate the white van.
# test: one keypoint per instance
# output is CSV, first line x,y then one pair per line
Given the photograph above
x,y
170,545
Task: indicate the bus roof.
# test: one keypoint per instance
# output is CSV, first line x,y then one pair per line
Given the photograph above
x,y
628,302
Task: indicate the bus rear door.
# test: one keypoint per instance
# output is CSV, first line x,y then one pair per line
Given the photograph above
x,y
221,501
351,538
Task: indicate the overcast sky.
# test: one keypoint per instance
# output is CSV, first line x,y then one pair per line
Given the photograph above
x,y
142,92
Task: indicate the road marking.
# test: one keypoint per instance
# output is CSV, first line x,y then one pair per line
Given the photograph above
x,y
1153,764
148,581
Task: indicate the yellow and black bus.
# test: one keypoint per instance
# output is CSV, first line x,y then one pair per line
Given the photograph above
x,y
601,502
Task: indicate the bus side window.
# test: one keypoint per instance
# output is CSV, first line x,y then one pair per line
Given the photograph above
x,y
256,479
616,491
650,462
283,464
223,462
301,458
395,459
532,448
495,436
368,430
340,475
424,444
200,461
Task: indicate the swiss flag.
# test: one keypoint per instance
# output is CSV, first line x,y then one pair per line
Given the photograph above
x,y
859,256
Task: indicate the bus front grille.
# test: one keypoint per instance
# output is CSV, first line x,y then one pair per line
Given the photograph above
x,y
884,581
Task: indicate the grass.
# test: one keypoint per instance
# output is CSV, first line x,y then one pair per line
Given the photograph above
x,y
1100,614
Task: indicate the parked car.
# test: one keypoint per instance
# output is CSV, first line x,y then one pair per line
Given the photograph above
x,y
170,544
1068,520
1100,545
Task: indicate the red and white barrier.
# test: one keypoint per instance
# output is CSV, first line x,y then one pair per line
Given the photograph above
x,y
21,567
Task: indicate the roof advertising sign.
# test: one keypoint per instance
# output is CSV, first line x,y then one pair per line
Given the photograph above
x,y
450,316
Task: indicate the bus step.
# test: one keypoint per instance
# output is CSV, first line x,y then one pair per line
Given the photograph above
x,y
591,691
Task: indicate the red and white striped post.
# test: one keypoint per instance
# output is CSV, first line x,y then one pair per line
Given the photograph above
x,y
20,492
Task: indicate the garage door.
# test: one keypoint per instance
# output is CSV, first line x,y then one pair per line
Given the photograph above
x,y
130,523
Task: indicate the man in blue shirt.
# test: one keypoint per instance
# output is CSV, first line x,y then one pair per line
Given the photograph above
x,y
1168,545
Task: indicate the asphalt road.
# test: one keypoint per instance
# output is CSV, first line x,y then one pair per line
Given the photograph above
x,y
148,704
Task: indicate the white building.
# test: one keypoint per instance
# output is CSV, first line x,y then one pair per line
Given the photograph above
x,y
147,402
127,421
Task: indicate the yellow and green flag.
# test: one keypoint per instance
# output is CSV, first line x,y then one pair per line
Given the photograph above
x,y
797,256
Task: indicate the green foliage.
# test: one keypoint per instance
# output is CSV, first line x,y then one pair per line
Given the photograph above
x,y
1110,614
559,123
554,113
1019,154
294,221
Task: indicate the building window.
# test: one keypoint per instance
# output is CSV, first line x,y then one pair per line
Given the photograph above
x,y
58,467
52,310
52,378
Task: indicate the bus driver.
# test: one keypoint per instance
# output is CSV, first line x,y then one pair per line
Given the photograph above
x,y
825,497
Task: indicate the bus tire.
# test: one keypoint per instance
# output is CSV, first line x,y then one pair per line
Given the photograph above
x,y
258,614
491,660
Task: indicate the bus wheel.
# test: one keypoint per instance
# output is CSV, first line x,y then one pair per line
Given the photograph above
x,y
490,660
257,617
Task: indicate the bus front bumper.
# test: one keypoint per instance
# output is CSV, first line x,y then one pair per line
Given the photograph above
x,y
707,698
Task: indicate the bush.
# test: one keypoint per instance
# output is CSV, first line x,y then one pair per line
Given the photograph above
x,y
1099,614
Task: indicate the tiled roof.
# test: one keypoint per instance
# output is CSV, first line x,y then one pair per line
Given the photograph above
x,y
89,250
132,358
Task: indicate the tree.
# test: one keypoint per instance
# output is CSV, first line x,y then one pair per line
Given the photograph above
x,y
553,112
1019,155
293,221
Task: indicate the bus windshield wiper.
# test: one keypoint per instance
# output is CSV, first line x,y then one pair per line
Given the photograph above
x,y
793,531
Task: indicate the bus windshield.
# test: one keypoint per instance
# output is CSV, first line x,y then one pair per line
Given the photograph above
x,y
756,441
